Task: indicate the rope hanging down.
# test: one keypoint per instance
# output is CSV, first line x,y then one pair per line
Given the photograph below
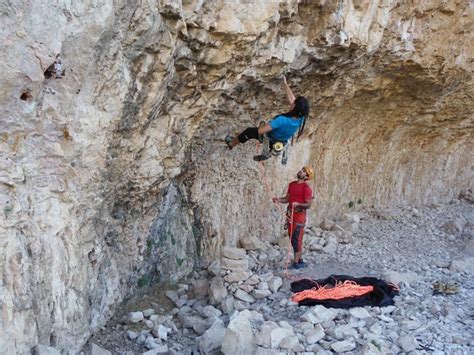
x,y
282,211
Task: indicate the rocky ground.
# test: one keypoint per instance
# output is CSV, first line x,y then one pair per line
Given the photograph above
x,y
241,303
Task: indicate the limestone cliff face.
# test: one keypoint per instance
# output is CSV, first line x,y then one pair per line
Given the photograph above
x,y
114,173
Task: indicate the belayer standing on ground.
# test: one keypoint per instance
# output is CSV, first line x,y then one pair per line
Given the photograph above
x,y
281,128
299,198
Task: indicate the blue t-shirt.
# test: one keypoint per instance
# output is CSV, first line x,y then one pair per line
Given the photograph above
x,y
283,128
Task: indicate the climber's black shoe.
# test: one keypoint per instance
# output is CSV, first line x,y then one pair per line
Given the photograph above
x,y
260,157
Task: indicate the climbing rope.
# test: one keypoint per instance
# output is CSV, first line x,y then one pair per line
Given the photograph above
x,y
339,291
282,211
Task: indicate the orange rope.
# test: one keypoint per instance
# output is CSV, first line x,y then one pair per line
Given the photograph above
x,y
340,290
282,211
267,186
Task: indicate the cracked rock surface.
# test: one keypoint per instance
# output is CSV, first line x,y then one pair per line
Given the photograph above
x,y
113,170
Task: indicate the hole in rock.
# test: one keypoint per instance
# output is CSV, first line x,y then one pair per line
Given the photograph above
x,y
26,96
55,70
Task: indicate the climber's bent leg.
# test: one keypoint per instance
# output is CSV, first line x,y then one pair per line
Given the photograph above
x,y
249,133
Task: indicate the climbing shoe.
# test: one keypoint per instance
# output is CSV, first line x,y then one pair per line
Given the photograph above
x,y
301,264
298,265
293,266
260,157
228,140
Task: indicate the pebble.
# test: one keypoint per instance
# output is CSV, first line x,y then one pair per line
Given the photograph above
x,y
359,312
135,317
131,335
244,296
315,334
407,343
343,346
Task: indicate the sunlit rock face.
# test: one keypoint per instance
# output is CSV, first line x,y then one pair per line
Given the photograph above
x,y
114,173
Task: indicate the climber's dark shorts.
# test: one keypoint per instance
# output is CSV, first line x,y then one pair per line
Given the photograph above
x,y
249,133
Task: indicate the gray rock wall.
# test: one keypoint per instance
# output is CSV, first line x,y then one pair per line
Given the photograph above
x,y
113,171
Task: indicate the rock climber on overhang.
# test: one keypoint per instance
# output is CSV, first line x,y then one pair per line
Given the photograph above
x,y
279,130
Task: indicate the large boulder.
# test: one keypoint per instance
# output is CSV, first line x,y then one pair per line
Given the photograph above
x,y
264,335
214,268
201,288
45,350
233,253
344,345
236,276
315,334
212,339
275,283
235,264
239,338
217,290
319,314
279,334
244,296
135,317
251,242
407,342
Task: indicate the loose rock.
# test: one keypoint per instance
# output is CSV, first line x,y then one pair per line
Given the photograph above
x,y
135,317
343,346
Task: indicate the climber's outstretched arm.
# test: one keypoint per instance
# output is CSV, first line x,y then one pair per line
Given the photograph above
x,y
289,93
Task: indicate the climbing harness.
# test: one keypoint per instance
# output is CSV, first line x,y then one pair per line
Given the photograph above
x,y
278,147
272,149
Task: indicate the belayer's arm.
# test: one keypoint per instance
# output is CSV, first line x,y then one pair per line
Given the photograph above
x,y
281,199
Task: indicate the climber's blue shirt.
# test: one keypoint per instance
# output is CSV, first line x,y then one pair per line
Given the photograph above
x,y
283,128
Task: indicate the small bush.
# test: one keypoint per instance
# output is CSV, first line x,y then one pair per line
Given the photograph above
x,y
143,281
